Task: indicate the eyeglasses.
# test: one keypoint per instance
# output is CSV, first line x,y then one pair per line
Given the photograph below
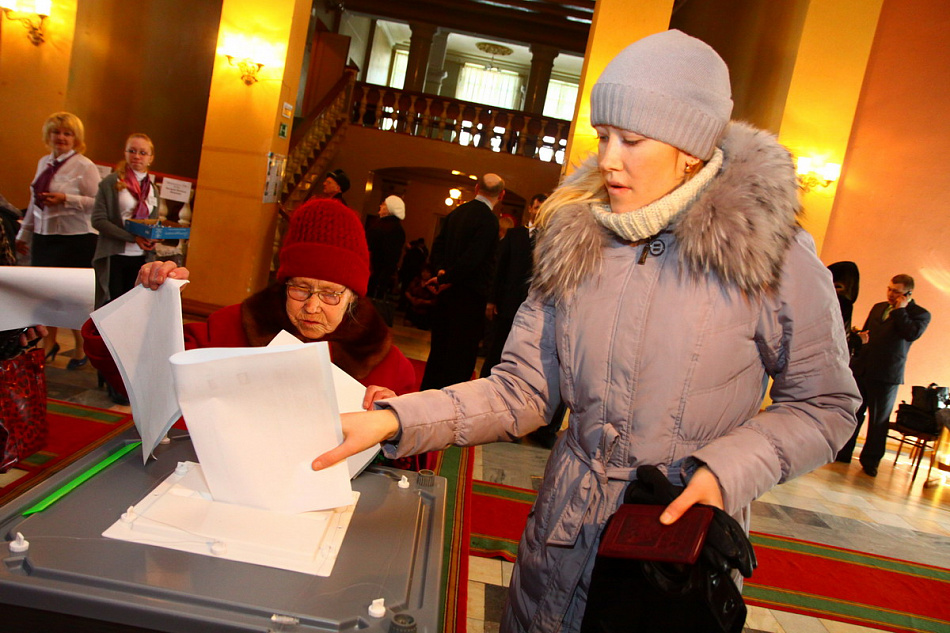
x,y
141,152
896,291
303,293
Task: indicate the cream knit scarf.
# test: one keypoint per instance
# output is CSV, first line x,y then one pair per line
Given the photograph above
x,y
650,220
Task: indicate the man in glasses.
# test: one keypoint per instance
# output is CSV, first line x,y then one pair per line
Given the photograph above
x,y
878,366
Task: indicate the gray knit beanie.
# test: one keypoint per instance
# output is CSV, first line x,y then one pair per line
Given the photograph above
x,y
669,87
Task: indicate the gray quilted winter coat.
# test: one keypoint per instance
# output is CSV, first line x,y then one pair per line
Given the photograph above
x,y
662,360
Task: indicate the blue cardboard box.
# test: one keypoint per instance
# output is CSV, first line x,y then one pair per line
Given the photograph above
x,y
158,229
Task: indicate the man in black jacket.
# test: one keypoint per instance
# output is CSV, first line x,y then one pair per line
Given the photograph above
x,y
463,254
878,366
512,279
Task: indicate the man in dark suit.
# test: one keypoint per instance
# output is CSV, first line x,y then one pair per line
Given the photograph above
x,y
512,278
878,366
463,254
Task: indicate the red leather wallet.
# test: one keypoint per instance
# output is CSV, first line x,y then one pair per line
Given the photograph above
x,y
635,532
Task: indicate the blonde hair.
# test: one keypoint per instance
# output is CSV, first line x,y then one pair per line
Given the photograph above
x,y
120,166
584,184
69,121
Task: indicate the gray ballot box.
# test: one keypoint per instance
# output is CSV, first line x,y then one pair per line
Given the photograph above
x,y
71,578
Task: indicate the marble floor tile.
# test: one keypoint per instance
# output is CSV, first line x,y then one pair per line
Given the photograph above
x,y
761,619
795,623
486,570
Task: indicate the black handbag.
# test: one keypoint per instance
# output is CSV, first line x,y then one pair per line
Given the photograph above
x,y
929,398
917,419
634,594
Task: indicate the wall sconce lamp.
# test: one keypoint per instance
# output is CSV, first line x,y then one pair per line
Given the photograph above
x,y
248,68
813,173
26,13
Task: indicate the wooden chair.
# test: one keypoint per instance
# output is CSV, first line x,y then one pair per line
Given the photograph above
x,y
919,441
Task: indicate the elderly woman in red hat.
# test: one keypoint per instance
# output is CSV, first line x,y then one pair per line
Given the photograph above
x,y
319,295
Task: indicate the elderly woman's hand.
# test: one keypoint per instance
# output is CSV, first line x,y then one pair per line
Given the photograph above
x,y
374,393
153,274
360,431
703,487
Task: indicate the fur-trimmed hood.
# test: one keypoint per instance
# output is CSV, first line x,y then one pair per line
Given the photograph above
x,y
739,228
358,345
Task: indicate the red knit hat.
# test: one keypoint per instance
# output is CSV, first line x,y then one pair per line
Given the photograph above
x,y
326,241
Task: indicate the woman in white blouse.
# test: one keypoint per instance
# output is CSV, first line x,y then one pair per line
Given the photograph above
x,y
56,228
126,194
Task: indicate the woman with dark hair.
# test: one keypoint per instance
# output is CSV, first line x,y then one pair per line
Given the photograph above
x,y
125,194
56,229
671,281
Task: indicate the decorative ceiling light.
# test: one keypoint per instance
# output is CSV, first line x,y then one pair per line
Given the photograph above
x,y
493,49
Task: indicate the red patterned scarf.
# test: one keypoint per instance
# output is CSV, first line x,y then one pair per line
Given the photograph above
x,y
139,192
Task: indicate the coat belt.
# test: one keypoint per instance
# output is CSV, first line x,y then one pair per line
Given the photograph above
x,y
587,490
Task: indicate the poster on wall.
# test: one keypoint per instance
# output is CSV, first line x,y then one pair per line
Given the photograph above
x,y
275,176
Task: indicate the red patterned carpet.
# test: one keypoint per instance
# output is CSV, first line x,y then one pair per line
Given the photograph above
x,y
74,430
793,575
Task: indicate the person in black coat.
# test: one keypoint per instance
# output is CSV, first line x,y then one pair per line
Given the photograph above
x,y
878,365
463,254
386,238
512,279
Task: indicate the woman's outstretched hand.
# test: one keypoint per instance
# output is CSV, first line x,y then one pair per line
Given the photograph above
x,y
153,274
360,431
703,487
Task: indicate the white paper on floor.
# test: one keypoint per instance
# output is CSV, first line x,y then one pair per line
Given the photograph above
x,y
180,514
142,329
258,417
37,295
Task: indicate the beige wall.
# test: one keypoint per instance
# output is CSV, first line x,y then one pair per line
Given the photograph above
x,y
891,211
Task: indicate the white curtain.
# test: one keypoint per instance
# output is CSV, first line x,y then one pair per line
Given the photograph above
x,y
560,100
501,88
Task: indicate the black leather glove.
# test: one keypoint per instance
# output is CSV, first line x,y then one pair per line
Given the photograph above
x,y
727,547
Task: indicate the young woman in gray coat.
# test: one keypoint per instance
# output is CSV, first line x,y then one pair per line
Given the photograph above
x,y
672,280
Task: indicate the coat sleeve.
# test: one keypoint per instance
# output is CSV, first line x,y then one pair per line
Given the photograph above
x,y
813,393
105,212
518,398
910,321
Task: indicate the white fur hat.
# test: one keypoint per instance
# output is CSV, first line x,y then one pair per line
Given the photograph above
x,y
396,207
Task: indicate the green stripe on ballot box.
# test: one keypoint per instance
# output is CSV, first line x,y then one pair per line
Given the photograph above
x,y
79,479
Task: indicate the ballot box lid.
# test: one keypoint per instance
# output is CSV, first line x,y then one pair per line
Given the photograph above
x,y
392,550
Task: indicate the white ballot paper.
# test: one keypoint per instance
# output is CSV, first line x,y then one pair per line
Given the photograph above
x,y
258,417
349,399
57,297
180,514
142,329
